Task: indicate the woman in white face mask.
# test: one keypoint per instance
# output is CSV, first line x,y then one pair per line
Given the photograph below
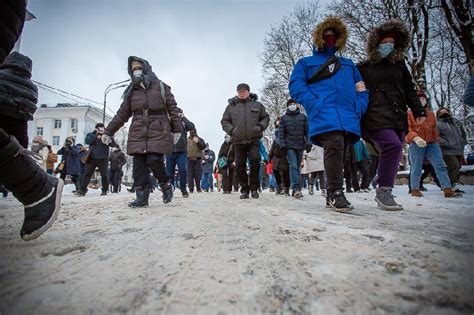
x,y
391,90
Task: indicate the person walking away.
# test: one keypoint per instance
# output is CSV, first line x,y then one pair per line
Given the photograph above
x,y
39,192
82,156
226,151
195,145
334,97
391,90
452,139
245,119
117,160
70,157
208,158
179,158
98,158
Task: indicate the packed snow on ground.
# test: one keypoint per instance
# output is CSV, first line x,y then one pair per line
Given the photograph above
x,y
216,254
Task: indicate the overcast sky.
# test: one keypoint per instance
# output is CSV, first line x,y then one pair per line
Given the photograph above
x,y
202,49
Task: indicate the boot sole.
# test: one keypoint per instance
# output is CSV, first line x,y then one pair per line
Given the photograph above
x,y
387,208
57,205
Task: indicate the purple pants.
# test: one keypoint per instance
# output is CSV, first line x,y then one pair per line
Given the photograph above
x,y
390,143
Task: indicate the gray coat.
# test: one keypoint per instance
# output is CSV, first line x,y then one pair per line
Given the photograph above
x,y
452,137
245,120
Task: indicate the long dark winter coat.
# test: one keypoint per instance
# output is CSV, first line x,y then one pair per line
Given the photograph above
x,y
293,130
70,157
117,160
148,133
278,158
245,120
389,82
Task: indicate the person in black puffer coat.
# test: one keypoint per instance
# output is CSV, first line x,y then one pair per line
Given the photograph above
x,y
227,172
39,192
391,90
293,140
279,161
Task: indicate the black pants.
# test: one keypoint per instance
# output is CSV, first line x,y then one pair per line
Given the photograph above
x,y
373,166
115,176
314,177
74,179
282,177
194,174
334,144
91,165
242,153
227,177
143,164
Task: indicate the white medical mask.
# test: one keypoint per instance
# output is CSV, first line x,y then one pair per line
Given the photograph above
x,y
137,73
292,107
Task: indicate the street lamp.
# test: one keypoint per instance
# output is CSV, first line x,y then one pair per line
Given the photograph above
x,y
109,88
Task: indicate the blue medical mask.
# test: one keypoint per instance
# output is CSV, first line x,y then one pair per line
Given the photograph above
x,y
386,49
292,107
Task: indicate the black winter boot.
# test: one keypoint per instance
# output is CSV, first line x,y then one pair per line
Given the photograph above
x,y
167,190
142,198
39,192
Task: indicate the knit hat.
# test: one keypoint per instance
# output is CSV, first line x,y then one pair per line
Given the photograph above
x,y
439,110
290,101
136,64
243,86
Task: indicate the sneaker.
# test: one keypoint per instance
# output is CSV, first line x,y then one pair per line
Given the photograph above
x,y
244,195
385,200
104,193
185,194
40,215
255,194
338,201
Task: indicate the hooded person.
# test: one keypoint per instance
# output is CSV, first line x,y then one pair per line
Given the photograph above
x,y
331,90
391,90
40,147
155,128
39,192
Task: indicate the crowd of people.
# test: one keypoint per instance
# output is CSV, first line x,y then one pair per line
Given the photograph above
x,y
343,131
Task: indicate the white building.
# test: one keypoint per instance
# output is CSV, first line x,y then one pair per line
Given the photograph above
x,y
56,123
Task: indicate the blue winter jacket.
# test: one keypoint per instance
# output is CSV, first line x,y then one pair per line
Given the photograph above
x,y
70,156
331,104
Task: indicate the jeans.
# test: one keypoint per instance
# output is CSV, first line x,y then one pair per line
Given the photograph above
x,y
294,160
180,159
206,181
433,153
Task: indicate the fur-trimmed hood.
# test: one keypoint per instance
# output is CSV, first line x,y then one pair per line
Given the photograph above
x,y
338,26
234,100
402,41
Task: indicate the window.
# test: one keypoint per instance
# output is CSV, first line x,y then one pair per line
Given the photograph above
x,y
57,123
39,131
74,123
55,140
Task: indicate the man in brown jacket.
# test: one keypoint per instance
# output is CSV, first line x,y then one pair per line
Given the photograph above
x,y
195,145
155,127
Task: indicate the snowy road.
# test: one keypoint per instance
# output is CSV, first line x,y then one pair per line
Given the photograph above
x,y
216,254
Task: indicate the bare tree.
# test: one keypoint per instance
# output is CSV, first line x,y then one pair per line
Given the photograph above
x,y
284,45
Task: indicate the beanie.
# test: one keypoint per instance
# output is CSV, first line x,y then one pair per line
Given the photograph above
x,y
243,86
290,101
